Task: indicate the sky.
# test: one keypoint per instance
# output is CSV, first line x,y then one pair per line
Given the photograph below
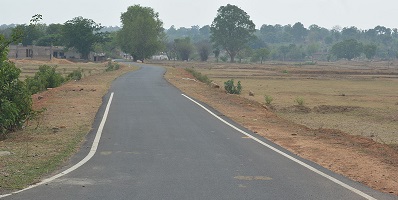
x,y
364,14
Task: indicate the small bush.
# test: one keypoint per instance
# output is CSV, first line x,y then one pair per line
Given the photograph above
x,y
230,87
75,75
268,99
224,58
199,76
299,101
112,66
45,78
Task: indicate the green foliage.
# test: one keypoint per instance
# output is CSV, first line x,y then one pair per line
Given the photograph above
x,y
216,52
230,87
142,32
110,66
369,50
204,48
15,100
224,58
232,30
183,48
75,75
268,99
347,49
82,34
46,77
199,76
300,101
261,55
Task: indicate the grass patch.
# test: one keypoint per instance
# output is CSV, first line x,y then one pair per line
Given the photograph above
x,y
199,76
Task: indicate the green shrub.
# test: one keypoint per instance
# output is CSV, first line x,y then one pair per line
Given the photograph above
x,y
299,101
199,76
75,75
268,99
45,78
15,100
230,87
224,58
112,66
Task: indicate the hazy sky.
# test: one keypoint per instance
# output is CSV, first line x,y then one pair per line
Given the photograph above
x,y
364,14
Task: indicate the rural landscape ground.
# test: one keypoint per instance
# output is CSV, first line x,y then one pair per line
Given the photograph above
x,y
348,122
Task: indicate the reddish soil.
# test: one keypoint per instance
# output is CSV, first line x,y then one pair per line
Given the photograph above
x,y
356,157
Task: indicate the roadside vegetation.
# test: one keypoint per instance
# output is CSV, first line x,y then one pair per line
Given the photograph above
x,y
199,76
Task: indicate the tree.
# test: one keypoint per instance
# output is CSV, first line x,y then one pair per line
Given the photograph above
x,y
261,54
204,48
232,29
369,51
52,37
216,52
183,48
142,32
348,49
299,32
82,34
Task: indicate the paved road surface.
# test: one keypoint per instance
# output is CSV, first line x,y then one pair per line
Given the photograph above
x,y
157,144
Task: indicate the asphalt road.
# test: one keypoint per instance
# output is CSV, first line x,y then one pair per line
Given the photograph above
x,y
158,144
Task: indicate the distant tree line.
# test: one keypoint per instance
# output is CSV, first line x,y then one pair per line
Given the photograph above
x,y
298,43
142,35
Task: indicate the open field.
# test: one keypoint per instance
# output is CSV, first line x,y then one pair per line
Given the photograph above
x,y
30,67
49,141
359,98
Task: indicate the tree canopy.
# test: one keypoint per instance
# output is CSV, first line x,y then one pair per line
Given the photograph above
x,y
142,32
232,30
82,34
347,49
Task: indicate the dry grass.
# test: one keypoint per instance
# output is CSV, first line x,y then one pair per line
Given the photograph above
x,y
29,67
359,98
49,141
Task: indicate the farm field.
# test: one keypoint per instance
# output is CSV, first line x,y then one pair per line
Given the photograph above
x,y
30,67
358,98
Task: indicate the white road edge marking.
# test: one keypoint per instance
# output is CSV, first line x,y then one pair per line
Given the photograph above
x,y
82,162
286,155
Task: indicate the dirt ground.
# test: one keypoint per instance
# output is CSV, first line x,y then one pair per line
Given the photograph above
x,y
359,158
358,98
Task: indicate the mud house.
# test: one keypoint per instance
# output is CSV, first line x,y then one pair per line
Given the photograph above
x,y
48,53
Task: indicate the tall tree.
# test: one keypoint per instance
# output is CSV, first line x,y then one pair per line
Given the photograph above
x,y
204,48
142,32
299,32
183,48
232,29
369,50
348,49
261,55
82,34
